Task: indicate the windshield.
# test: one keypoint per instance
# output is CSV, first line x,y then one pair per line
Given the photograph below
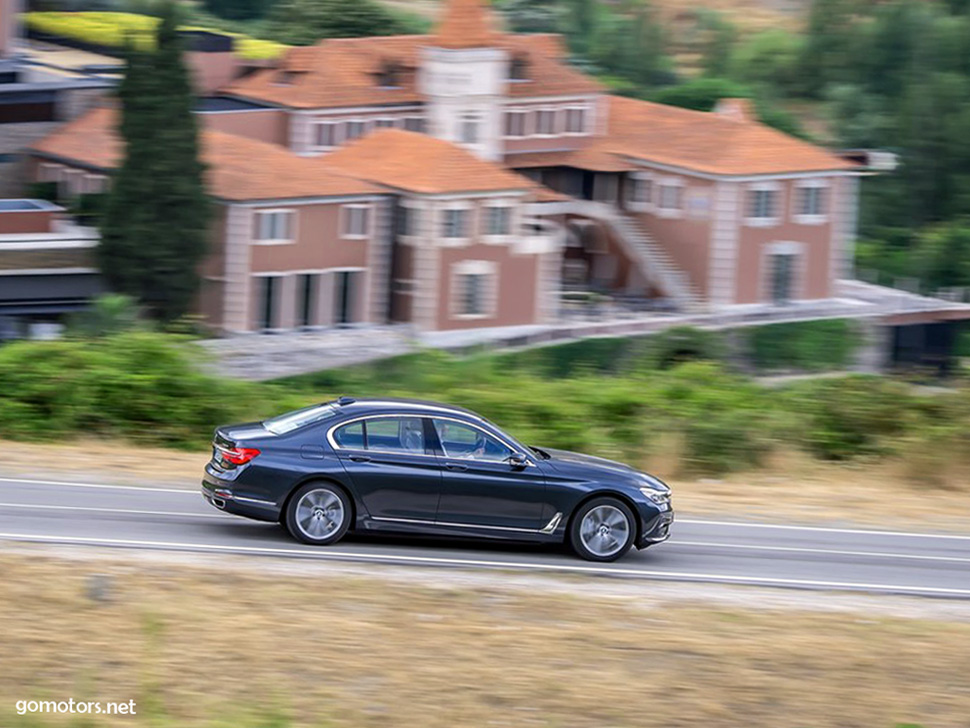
x,y
299,418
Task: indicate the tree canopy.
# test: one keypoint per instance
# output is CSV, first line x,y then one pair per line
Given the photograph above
x,y
156,217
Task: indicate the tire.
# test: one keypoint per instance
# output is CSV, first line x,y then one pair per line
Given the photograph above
x,y
319,514
603,529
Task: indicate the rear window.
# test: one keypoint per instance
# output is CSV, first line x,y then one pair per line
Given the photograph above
x,y
299,418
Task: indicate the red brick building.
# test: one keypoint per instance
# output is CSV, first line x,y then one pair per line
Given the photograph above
x,y
468,177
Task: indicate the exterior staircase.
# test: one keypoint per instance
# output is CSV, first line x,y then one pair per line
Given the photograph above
x,y
655,264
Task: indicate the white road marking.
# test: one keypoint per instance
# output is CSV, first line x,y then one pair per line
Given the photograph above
x,y
442,561
115,510
830,552
673,542
692,521
824,529
101,485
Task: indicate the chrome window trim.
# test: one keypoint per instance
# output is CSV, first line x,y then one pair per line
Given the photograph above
x,y
338,448
512,449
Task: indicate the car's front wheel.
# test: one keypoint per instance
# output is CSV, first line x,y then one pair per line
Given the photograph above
x,y
602,530
318,514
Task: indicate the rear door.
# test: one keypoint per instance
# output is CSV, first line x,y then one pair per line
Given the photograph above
x,y
480,488
393,468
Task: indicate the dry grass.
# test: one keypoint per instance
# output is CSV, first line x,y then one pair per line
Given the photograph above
x,y
334,650
793,487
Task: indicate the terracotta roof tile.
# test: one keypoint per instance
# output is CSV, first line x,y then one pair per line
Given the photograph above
x,y
419,163
343,72
712,143
89,139
466,24
238,168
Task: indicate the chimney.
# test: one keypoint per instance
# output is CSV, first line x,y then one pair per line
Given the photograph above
x,y
211,60
735,109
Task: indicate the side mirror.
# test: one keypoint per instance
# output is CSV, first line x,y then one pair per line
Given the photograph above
x,y
518,460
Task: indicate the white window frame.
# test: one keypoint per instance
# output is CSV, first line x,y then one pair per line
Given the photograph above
x,y
584,126
663,183
473,121
487,268
258,226
469,211
383,122
638,178
337,136
414,211
825,197
537,130
346,220
486,212
777,214
523,114
364,123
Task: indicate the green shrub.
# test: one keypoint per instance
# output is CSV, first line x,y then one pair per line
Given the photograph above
x,y
804,345
143,386
109,314
114,30
851,416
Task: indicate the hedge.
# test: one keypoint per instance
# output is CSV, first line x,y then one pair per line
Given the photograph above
x,y
113,30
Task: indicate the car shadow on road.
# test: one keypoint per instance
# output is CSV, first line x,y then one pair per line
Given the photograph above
x,y
275,536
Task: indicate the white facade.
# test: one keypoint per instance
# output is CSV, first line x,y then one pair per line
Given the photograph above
x,y
465,94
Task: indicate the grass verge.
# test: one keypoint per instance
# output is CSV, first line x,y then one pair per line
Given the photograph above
x,y
204,648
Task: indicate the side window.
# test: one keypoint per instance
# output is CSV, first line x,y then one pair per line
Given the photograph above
x,y
395,434
350,436
463,441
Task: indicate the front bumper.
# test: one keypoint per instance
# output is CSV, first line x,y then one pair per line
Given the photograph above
x,y
655,531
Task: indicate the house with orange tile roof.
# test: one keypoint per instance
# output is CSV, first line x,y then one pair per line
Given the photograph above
x,y
469,177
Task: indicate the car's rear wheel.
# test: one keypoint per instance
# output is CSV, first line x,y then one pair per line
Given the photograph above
x,y
318,514
602,530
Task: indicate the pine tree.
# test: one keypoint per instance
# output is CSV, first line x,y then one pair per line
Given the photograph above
x,y
155,227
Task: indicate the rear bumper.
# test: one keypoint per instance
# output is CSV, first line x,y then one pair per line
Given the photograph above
x,y
655,531
220,495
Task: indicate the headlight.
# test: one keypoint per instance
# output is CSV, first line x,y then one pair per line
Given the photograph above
x,y
660,497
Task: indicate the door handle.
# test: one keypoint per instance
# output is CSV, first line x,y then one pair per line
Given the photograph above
x,y
360,458
456,466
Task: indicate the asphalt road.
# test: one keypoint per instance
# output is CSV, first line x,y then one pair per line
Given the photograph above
x,y
699,550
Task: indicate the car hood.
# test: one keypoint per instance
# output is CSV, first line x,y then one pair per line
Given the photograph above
x,y
591,467
575,462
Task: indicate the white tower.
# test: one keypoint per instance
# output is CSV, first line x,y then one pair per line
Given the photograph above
x,y
463,76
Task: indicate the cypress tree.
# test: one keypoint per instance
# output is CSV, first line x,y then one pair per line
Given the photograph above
x,y
153,237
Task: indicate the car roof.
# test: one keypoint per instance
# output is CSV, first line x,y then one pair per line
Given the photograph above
x,y
350,405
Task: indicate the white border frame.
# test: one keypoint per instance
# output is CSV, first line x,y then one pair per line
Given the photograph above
x,y
796,190
344,220
293,227
488,268
763,222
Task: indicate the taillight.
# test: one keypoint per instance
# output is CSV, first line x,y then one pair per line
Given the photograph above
x,y
239,455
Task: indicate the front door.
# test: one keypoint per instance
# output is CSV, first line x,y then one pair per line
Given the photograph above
x,y
346,294
480,488
782,277
395,473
